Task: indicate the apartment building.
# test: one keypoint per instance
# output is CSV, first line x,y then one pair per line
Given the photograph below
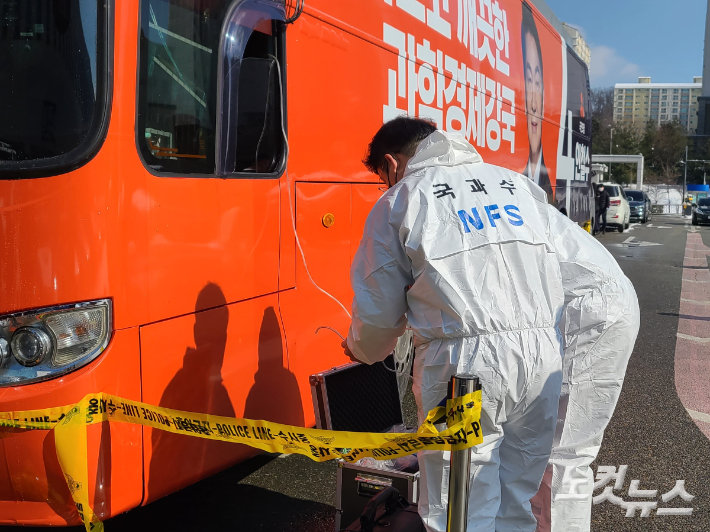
x,y
578,43
637,103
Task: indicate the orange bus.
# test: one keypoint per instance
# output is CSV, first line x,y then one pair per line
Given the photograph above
x,y
148,200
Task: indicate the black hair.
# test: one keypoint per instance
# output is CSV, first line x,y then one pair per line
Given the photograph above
x,y
400,135
528,26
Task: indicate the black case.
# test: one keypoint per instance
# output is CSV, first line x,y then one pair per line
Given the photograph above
x,y
357,398
388,512
361,398
357,484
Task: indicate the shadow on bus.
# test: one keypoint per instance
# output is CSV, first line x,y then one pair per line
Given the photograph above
x,y
178,460
275,395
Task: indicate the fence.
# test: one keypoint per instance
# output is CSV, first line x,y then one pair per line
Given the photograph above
x,y
666,209
665,199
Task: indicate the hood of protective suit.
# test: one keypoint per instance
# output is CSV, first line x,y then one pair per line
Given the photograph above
x,y
442,149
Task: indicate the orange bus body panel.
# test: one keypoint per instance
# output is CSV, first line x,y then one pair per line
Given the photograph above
x,y
32,487
204,362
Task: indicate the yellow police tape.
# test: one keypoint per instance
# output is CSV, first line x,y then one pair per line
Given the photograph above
x,y
462,416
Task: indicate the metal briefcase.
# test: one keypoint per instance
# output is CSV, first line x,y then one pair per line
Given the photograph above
x,y
357,484
360,398
357,397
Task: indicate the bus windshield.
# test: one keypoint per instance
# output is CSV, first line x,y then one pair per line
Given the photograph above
x,y
51,87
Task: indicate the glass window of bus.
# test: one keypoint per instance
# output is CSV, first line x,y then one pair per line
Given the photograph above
x,y
54,64
252,77
578,97
181,109
176,85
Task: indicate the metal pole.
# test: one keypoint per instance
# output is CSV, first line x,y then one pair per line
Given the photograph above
x,y
611,151
460,471
685,177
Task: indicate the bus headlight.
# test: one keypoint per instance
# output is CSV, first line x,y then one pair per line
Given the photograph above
x,y
30,345
4,351
46,343
77,332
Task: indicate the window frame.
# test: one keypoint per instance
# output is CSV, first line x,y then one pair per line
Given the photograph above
x,y
281,53
98,131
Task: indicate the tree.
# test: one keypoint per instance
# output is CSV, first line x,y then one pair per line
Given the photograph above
x,y
650,168
668,147
626,141
648,135
698,150
602,103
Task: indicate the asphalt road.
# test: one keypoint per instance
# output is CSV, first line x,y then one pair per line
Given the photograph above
x,y
651,432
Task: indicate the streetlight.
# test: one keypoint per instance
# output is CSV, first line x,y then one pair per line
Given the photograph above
x,y
611,138
685,178
685,173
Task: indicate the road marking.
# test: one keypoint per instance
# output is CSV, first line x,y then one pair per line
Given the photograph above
x,y
698,282
631,242
693,338
695,301
699,416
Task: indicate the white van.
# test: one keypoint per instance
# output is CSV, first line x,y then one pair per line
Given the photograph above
x,y
619,212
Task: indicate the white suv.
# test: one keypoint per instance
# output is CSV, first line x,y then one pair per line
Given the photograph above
x,y
619,211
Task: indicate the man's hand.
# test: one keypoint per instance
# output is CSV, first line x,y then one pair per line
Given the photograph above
x,y
346,350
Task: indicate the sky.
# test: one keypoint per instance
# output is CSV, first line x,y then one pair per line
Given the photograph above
x,y
632,38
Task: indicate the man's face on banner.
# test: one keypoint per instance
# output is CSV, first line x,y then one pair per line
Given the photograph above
x,y
533,96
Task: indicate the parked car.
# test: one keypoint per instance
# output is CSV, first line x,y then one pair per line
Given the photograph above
x,y
701,211
639,206
619,212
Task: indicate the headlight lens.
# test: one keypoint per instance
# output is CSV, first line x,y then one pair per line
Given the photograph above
x,y
46,343
77,333
30,345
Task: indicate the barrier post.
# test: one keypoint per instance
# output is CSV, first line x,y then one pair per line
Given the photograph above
x,y
460,465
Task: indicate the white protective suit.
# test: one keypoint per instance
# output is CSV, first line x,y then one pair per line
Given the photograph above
x,y
600,325
488,275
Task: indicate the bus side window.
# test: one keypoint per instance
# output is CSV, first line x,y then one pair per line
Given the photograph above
x,y
209,100
177,85
250,137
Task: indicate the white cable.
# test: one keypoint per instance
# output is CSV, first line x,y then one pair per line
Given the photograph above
x,y
290,202
298,241
330,329
406,367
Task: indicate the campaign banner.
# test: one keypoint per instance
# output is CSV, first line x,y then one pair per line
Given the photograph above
x,y
496,72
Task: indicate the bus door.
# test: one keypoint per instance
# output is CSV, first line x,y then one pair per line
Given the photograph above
x,y
209,130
